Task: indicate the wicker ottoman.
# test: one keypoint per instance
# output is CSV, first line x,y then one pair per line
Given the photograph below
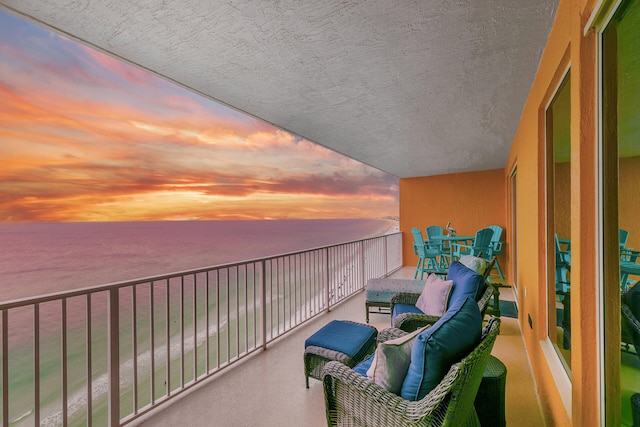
x,y
490,400
341,340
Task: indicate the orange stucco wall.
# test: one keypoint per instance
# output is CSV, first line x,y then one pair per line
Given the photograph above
x,y
567,48
527,155
562,200
470,201
473,200
630,199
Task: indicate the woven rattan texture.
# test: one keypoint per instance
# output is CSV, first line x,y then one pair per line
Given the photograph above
x,y
353,400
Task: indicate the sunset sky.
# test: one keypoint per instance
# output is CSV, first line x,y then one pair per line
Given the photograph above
x,y
85,137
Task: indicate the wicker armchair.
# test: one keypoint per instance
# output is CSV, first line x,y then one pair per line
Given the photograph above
x,y
411,321
353,400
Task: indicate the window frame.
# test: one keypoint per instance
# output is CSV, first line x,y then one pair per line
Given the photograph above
x,y
561,376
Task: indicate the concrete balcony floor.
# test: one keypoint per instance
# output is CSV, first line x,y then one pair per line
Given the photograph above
x,y
268,388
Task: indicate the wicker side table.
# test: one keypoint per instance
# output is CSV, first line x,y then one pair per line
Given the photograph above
x,y
340,340
635,409
490,400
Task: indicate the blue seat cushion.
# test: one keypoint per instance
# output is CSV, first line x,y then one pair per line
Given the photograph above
x,y
349,338
403,308
362,367
466,283
437,348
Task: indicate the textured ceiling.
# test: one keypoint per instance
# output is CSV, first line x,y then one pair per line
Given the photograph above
x,y
414,88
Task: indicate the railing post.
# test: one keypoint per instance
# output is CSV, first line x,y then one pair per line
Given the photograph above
x,y
5,367
113,368
326,279
89,365
63,357
36,363
386,255
264,304
362,265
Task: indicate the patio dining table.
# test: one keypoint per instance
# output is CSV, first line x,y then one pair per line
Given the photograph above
x,y
448,241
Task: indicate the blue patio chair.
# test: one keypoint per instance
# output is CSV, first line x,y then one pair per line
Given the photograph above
x,y
563,266
624,236
626,254
496,246
563,286
433,232
427,257
481,246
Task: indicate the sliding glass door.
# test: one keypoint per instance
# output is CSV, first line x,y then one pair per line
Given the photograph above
x,y
620,123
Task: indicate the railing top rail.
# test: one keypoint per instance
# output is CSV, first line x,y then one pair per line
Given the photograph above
x,y
106,287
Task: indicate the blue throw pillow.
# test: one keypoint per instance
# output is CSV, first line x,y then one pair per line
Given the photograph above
x,y
449,340
362,367
466,283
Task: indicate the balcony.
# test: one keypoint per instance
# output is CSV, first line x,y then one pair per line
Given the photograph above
x,y
269,388
234,336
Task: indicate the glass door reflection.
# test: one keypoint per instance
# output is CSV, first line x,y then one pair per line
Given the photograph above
x,y
621,135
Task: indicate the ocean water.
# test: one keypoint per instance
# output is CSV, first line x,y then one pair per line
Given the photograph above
x,y
43,258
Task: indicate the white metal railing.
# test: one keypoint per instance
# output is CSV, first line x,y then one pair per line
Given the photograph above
x,y
106,355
